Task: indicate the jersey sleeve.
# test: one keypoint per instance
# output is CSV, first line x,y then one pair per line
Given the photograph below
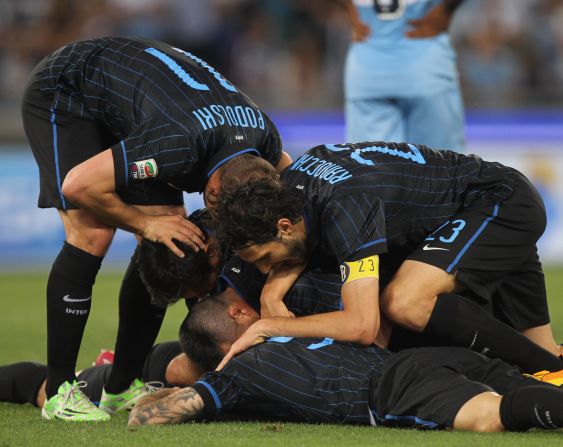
x,y
153,150
354,226
271,150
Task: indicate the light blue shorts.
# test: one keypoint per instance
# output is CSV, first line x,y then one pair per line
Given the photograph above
x,y
435,121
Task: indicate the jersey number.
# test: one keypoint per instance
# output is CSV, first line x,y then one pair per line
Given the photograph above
x,y
389,9
457,226
184,75
413,155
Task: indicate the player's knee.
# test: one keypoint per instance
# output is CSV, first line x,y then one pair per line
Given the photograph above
x,y
480,414
406,307
95,241
73,186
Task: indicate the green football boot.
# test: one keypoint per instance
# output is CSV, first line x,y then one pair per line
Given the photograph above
x,y
70,404
127,399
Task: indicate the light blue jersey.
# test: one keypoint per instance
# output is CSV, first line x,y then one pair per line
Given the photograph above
x,y
390,65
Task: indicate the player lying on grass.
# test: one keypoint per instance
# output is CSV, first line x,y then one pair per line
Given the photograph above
x,y
322,381
442,223
229,316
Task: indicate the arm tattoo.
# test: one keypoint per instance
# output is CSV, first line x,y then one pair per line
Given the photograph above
x,y
178,407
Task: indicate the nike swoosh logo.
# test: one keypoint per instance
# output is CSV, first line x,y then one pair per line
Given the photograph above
x,y
427,247
68,299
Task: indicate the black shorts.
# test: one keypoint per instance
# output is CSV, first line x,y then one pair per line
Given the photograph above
x,y
490,246
426,387
63,134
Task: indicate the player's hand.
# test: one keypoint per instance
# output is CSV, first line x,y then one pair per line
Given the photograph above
x,y
437,21
164,228
254,335
360,31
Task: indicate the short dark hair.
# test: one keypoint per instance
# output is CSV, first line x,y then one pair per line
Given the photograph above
x,y
247,213
165,275
204,329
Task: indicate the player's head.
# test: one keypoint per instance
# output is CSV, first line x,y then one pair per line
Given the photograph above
x,y
239,169
262,221
169,278
213,325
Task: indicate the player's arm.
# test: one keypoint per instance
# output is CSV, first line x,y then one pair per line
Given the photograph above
x,y
435,22
279,281
91,186
360,30
167,406
357,322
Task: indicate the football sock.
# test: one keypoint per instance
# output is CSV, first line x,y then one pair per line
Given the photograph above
x,y
139,323
20,382
464,323
158,359
533,406
69,297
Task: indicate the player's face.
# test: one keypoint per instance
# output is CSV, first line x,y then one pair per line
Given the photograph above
x,y
287,250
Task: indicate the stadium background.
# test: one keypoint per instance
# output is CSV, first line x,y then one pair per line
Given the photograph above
x,y
288,56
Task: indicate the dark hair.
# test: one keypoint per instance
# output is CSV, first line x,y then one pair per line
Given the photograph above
x,y
166,276
247,213
204,329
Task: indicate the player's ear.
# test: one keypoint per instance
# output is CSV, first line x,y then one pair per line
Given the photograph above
x,y
285,227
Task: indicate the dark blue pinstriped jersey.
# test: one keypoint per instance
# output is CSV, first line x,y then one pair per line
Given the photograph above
x,y
174,117
370,198
317,290
310,380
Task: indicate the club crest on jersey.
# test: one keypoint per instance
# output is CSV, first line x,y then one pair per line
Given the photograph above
x,y
144,169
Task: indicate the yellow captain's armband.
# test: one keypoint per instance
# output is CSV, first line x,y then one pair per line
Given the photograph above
x,y
364,268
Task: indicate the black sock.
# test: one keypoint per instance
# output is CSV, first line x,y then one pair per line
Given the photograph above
x,y
464,323
20,382
139,323
69,297
535,406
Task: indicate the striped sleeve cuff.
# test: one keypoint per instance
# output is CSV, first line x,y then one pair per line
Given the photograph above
x,y
210,398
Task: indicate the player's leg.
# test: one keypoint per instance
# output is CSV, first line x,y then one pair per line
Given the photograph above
x,y
436,121
23,382
374,119
521,302
62,135
525,402
139,319
481,246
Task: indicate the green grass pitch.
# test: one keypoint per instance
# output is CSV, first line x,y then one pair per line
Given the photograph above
x,y
22,337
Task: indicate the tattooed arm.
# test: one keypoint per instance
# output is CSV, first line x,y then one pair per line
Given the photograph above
x,y
168,406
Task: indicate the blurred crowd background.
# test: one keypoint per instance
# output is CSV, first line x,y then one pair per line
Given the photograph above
x,y
288,54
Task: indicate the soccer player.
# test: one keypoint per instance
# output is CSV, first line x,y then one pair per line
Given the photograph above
x,y
322,381
119,127
24,382
441,222
401,81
